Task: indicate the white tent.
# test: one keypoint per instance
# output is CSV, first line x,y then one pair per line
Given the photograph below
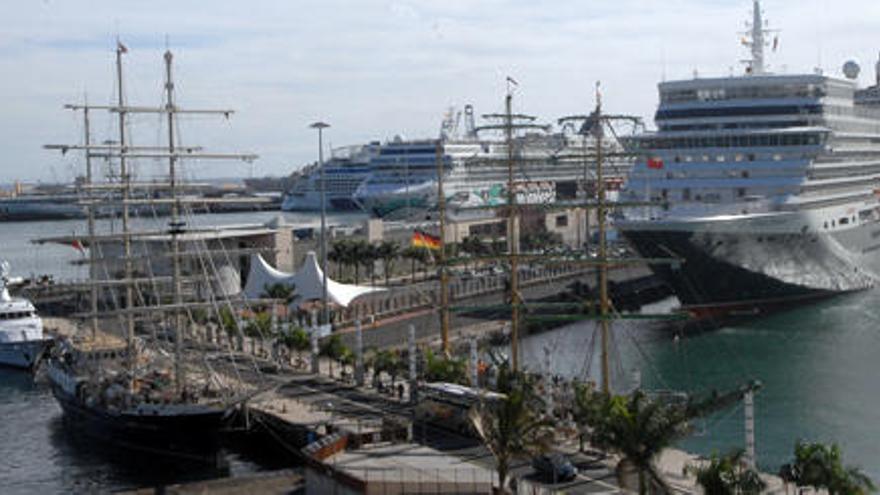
x,y
308,282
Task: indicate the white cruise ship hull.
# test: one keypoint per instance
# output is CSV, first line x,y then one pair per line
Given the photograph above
x,y
745,265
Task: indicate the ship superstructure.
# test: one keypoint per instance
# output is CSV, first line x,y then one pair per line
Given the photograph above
x,y
346,169
770,186
22,343
550,166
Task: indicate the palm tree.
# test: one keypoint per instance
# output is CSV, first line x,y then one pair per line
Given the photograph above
x,y
413,254
512,426
369,253
445,369
821,466
334,349
284,292
337,255
640,428
388,251
727,475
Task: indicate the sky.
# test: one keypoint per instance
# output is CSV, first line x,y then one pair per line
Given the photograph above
x,y
374,69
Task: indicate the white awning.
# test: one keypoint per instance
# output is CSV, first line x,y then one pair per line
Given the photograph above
x,y
307,282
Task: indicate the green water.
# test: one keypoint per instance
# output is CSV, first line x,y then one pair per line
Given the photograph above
x,y
819,366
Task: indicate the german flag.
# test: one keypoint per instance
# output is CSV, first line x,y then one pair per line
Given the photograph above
x,y
424,240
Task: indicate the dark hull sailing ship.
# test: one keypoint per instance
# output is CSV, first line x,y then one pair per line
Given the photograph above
x,y
119,389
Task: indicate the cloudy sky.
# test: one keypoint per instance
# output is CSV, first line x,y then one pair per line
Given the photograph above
x,y
374,68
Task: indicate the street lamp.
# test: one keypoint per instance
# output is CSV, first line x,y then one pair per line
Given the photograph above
x,y
320,126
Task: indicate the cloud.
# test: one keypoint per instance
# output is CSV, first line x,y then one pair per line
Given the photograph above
x,y
374,69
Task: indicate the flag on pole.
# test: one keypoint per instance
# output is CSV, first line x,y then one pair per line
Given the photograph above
x,y
422,239
512,81
655,163
78,246
120,47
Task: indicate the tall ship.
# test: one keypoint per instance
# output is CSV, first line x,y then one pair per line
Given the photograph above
x,y
22,343
551,165
769,185
346,169
138,379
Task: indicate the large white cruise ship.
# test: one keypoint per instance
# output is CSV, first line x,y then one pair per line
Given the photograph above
x,y
770,183
549,166
346,169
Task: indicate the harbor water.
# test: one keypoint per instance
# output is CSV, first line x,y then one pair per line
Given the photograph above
x,y
817,364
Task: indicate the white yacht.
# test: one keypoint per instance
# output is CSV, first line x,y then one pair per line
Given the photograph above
x,y
21,331
346,169
770,184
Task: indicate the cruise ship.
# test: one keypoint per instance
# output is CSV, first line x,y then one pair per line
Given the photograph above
x,y
769,184
346,169
549,166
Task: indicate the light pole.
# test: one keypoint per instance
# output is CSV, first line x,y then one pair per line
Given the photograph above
x,y
320,126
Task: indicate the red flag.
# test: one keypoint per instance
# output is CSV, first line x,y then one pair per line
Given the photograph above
x,y
655,162
78,246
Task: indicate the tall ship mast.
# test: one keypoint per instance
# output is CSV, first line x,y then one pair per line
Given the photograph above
x,y
771,184
122,385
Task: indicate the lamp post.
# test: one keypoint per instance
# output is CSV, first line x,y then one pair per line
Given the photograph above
x,y
320,126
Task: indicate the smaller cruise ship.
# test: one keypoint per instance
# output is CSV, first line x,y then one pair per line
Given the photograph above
x,y
22,343
346,169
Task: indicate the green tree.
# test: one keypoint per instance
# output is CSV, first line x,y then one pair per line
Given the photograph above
x,y
512,426
337,254
639,428
389,252
821,466
727,475
386,361
260,325
334,349
445,369
283,292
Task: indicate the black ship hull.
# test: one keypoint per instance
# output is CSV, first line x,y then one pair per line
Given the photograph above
x,y
192,436
723,277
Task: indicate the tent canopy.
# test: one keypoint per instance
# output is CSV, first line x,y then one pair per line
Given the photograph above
x,y
307,282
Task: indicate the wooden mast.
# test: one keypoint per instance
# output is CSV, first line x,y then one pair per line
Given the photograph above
x,y
602,214
512,236
444,273
125,176
176,228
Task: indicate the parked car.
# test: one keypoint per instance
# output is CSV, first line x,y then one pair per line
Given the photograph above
x,y
554,468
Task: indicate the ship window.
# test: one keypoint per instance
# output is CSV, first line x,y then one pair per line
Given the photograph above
x,y
826,225
745,174
833,224
686,194
777,157
844,221
719,158
677,159
751,157
664,194
738,157
741,192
